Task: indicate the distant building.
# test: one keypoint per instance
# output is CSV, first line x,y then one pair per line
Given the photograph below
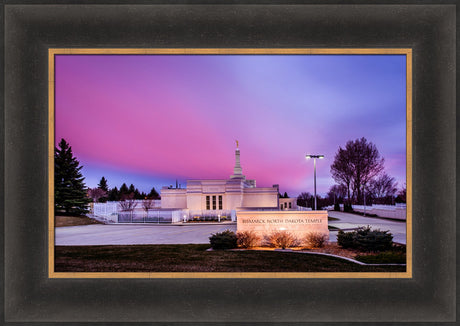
x,y
235,193
288,204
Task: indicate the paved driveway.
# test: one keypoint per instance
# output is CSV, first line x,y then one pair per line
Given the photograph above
x,y
348,221
116,234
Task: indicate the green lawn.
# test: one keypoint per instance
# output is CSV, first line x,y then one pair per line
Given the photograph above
x,y
195,258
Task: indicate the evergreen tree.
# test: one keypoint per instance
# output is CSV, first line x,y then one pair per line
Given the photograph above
x,y
285,195
70,193
103,184
123,190
137,194
114,194
154,194
131,189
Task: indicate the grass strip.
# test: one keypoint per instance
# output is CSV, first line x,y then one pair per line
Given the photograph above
x,y
195,258
61,221
386,257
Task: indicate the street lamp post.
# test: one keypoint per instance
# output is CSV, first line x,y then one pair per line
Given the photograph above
x,y
364,194
314,157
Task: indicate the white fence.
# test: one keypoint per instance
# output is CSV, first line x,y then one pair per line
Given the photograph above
x,y
105,209
397,211
383,211
152,216
113,207
111,212
211,215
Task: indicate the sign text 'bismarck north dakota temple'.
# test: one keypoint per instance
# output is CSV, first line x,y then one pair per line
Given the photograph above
x,y
298,223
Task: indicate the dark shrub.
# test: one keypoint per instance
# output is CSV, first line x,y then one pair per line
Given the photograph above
x,y
366,239
347,208
247,239
337,207
223,240
345,239
373,240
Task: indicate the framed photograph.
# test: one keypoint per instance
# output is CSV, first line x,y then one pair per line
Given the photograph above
x,y
110,106
197,108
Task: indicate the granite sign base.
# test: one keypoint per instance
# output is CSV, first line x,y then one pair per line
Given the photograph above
x,y
298,223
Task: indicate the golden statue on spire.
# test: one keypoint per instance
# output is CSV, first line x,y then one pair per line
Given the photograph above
x,y
236,143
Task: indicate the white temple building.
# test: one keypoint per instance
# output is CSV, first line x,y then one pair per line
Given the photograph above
x,y
235,193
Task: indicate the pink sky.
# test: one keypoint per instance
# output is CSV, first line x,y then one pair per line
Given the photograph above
x,y
149,120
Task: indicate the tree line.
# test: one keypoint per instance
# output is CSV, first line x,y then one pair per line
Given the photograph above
x,y
102,193
359,173
72,197
358,170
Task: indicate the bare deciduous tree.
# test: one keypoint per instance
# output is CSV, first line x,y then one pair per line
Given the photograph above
x,y
401,198
383,189
337,193
356,165
96,193
304,199
147,204
127,202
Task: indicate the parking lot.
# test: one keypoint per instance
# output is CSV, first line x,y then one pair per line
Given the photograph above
x,y
114,234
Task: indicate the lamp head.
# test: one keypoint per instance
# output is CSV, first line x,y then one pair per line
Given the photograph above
x,y
309,156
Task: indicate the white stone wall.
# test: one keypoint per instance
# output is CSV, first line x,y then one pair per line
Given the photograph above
x,y
233,200
173,198
195,201
260,197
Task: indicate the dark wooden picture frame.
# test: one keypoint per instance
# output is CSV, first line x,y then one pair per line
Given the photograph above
x,y
31,296
407,142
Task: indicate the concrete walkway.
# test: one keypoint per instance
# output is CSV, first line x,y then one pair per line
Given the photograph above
x,y
351,221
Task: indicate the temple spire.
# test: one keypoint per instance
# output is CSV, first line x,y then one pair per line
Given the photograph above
x,y
237,170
